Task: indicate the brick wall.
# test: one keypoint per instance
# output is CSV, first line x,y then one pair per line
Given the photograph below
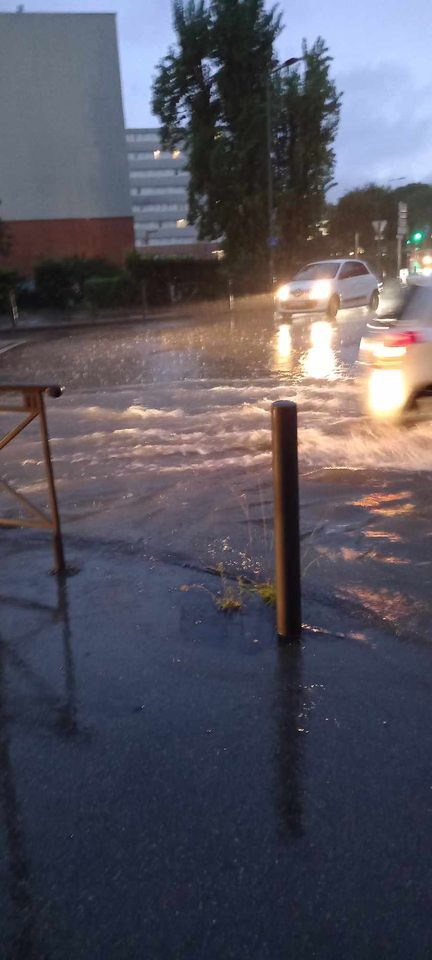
x,y
33,240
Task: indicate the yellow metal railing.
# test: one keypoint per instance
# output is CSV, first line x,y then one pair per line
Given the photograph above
x,y
30,403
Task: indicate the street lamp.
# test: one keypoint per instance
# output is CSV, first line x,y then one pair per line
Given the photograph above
x,y
287,63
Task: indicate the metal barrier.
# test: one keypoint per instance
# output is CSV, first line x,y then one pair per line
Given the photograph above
x,y
32,405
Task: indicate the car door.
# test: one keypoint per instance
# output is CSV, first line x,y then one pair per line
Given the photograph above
x,y
366,282
347,284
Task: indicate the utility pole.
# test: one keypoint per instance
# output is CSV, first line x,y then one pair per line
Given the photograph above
x,y
402,230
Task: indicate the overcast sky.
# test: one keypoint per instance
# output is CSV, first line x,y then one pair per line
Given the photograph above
x,y
382,63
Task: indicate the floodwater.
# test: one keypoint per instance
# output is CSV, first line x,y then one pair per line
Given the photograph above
x,y
163,436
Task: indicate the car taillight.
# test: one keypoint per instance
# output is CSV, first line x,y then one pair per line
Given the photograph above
x,y
403,339
394,345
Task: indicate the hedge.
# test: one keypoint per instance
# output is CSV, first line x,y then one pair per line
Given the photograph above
x,y
59,283
106,292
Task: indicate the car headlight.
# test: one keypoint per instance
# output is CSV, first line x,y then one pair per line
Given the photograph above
x,y
320,290
283,293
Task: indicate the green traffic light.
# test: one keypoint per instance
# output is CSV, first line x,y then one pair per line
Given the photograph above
x,y
417,236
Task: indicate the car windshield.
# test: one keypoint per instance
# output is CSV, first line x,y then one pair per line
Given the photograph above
x,y
318,271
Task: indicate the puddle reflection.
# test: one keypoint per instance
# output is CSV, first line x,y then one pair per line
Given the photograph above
x,y
22,945
291,716
320,362
67,712
24,936
283,349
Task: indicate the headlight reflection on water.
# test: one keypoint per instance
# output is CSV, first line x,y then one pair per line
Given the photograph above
x,y
283,348
284,343
319,362
321,334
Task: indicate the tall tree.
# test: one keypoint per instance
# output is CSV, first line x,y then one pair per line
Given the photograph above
x,y
306,108
210,92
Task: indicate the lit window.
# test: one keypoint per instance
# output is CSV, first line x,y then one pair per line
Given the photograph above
x,y
181,223
176,154
156,154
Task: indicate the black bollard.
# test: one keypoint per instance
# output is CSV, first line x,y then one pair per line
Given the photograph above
x,y
286,519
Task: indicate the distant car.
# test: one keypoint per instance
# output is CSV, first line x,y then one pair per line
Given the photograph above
x,y
396,352
326,286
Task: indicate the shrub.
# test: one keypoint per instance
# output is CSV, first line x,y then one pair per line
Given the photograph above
x,y
183,276
109,292
59,283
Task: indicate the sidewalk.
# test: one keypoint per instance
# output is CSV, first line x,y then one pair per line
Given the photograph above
x,y
178,311
175,785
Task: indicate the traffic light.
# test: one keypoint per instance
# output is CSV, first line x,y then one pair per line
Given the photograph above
x,y
417,236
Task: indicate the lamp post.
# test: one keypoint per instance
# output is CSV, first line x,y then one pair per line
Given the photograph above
x,y
287,63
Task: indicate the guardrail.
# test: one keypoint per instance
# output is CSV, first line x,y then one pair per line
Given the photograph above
x,y
32,406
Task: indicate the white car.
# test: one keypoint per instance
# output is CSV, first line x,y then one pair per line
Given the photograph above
x,y
326,286
396,353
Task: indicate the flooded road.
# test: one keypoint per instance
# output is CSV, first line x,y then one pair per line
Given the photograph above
x,y
163,436
243,345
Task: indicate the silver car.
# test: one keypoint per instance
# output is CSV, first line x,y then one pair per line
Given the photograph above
x,y
326,286
396,352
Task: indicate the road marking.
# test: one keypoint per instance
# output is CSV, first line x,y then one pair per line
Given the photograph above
x,y
9,345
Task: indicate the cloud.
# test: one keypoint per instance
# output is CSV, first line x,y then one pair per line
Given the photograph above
x,y
386,126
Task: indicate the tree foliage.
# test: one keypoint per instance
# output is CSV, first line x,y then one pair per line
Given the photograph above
x,y
307,107
418,197
210,92
355,212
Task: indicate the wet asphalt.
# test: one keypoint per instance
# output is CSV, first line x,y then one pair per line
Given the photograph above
x,y
249,343
175,784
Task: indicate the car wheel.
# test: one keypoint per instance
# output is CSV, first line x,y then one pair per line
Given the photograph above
x,y
374,302
333,306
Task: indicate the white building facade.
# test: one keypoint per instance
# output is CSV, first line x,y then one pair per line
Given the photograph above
x,y
64,184
159,183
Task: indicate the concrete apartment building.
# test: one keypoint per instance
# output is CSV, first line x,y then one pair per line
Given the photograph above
x,y
158,184
64,185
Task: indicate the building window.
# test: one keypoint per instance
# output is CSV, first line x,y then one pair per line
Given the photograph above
x,y
156,154
156,174
181,223
156,191
140,156
146,137
176,154
157,207
142,228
